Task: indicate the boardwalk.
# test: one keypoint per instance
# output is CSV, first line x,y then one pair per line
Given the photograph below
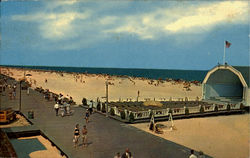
x,y
105,136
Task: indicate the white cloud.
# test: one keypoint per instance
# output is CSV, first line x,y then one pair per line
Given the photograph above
x,y
54,25
207,16
189,19
108,20
60,21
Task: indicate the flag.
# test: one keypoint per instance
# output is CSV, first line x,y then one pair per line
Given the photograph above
x,y
228,44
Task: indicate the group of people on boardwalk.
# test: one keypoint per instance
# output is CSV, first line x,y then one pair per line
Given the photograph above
x,y
12,91
77,136
63,106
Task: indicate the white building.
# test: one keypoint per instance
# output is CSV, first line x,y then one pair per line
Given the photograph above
x,y
225,83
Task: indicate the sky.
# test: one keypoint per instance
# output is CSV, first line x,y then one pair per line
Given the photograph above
x,y
175,34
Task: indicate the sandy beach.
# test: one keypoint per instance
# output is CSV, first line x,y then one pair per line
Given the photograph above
x,y
92,86
220,137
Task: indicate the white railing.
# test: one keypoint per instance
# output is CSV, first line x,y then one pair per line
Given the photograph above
x,y
235,106
161,112
222,107
195,109
208,108
178,111
142,114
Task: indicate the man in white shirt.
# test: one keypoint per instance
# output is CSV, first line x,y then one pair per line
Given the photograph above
x,y
56,107
192,154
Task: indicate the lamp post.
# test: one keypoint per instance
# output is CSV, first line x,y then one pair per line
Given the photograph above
x,y
20,97
107,98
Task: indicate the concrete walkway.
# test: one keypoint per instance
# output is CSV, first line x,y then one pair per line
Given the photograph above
x,y
105,136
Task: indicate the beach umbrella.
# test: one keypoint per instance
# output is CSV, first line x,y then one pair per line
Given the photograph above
x,y
28,75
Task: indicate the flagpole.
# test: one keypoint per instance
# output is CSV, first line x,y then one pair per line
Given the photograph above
x,y
224,57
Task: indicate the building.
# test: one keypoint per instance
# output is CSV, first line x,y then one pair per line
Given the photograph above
x,y
227,84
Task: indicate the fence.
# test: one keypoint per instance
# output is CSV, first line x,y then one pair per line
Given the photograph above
x,y
203,108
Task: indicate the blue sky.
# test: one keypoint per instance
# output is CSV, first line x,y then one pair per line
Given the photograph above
x,y
124,34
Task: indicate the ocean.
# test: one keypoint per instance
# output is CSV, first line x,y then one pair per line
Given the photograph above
x,y
189,75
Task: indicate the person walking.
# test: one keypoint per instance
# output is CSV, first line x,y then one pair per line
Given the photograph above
x,y
76,135
84,136
127,154
87,116
28,90
117,155
56,107
192,154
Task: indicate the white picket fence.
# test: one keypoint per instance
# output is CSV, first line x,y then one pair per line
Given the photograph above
x,y
165,112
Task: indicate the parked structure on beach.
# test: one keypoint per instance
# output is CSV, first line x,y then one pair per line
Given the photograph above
x,y
227,84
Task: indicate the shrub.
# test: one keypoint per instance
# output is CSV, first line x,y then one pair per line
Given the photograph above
x,y
98,107
112,112
186,111
202,109
131,117
103,107
84,101
122,115
241,106
216,108
228,107
170,111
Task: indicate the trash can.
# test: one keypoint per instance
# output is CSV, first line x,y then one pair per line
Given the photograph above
x,y
31,114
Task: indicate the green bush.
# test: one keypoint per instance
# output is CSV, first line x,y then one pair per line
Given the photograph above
x,y
241,106
216,108
103,107
170,111
186,111
122,115
98,107
84,101
112,112
228,107
131,117
202,109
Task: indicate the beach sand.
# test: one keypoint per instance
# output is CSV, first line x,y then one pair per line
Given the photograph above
x,y
220,137
50,152
92,86
20,121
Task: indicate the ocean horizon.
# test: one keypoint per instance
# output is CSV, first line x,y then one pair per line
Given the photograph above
x,y
189,75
